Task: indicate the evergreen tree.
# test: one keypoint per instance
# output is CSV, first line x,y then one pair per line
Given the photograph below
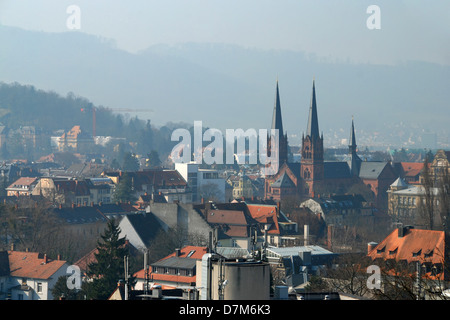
x,y
153,160
130,162
108,268
124,189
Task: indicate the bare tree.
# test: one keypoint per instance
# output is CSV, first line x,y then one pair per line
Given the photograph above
x,y
426,206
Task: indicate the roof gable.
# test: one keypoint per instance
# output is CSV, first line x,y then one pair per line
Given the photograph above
x,y
32,265
413,245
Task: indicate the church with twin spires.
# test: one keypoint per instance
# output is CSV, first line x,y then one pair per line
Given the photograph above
x,y
313,176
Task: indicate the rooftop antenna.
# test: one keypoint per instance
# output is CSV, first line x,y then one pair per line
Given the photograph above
x,y
146,273
125,262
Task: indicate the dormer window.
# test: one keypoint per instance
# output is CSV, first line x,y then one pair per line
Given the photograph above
x,y
381,250
417,253
428,253
391,252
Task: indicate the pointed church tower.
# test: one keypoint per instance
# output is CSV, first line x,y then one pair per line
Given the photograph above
x,y
277,123
312,167
354,161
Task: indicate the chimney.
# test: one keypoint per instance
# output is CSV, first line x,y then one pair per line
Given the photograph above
x,y
13,246
329,237
402,231
177,252
58,257
306,235
45,258
371,246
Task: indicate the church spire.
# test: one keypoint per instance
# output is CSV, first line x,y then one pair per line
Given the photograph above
x,y
277,122
354,161
313,122
352,140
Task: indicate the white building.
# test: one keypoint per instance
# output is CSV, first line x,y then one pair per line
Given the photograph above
x,y
31,275
202,182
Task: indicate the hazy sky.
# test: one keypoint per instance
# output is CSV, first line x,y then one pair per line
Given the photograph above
x,y
410,29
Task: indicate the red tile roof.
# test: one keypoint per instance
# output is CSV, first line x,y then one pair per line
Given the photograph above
x,y
32,265
412,169
265,214
415,245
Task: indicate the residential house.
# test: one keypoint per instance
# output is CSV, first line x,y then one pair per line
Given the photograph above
x,y
139,229
177,270
22,187
146,199
29,275
101,190
276,228
85,170
82,222
412,252
76,140
244,188
63,191
169,183
295,265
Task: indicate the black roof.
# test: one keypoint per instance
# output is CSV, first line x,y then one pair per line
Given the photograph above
x,y
336,170
146,225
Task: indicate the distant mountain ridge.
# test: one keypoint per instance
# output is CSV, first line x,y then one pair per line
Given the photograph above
x,y
227,86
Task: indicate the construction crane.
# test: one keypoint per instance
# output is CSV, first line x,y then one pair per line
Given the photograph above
x,y
112,110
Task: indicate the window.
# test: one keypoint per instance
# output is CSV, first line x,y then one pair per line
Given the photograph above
x,y
417,253
393,251
428,254
381,250
39,287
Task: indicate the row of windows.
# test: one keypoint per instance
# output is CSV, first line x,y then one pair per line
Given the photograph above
x,y
173,271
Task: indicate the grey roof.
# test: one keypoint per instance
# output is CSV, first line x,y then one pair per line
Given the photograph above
x,y
283,182
372,169
399,183
79,215
293,251
232,252
336,170
176,262
146,225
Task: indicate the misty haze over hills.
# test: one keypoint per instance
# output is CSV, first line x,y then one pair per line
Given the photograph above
x,y
228,86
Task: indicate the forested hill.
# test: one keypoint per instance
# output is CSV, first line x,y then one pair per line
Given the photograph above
x,y
25,105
